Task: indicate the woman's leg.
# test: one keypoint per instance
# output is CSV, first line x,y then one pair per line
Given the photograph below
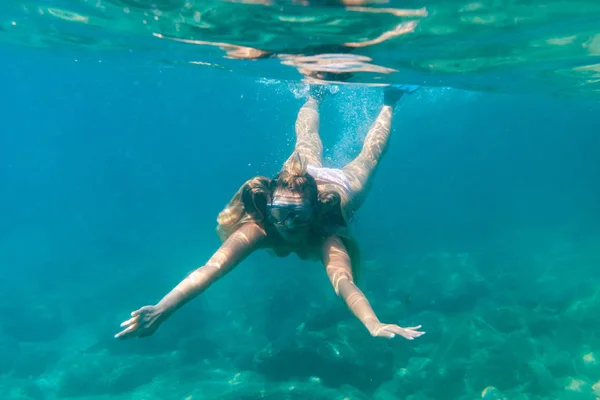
x,y
361,170
308,142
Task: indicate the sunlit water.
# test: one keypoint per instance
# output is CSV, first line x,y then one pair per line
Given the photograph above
x,y
127,126
508,46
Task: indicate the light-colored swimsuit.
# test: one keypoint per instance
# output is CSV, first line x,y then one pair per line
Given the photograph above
x,y
332,176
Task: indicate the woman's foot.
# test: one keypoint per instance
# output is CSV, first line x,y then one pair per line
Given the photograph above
x,y
393,93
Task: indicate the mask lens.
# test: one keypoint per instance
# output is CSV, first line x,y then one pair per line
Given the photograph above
x,y
296,215
301,216
278,214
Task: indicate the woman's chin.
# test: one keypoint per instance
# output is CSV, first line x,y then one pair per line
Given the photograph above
x,y
292,236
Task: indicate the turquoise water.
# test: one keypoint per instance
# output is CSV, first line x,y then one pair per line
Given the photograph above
x,y
483,224
550,47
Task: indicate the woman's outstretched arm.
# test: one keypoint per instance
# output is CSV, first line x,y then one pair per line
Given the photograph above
x,y
339,270
239,245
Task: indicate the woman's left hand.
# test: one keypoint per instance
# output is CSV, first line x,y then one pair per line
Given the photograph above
x,y
391,330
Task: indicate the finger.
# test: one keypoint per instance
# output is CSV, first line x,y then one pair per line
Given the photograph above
x,y
120,335
129,322
125,332
136,313
406,332
408,329
398,331
387,334
412,333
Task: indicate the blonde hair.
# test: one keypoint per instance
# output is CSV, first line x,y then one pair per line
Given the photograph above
x,y
248,204
293,176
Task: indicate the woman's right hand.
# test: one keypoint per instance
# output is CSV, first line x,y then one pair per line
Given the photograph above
x,y
143,322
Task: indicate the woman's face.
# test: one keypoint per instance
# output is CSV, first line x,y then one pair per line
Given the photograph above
x,y
291,213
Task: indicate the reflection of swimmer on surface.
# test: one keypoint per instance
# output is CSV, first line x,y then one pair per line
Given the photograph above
x,y
335,61
250,53
305,210
348,4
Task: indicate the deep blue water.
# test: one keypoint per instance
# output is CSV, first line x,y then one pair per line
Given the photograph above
x,y
111,177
